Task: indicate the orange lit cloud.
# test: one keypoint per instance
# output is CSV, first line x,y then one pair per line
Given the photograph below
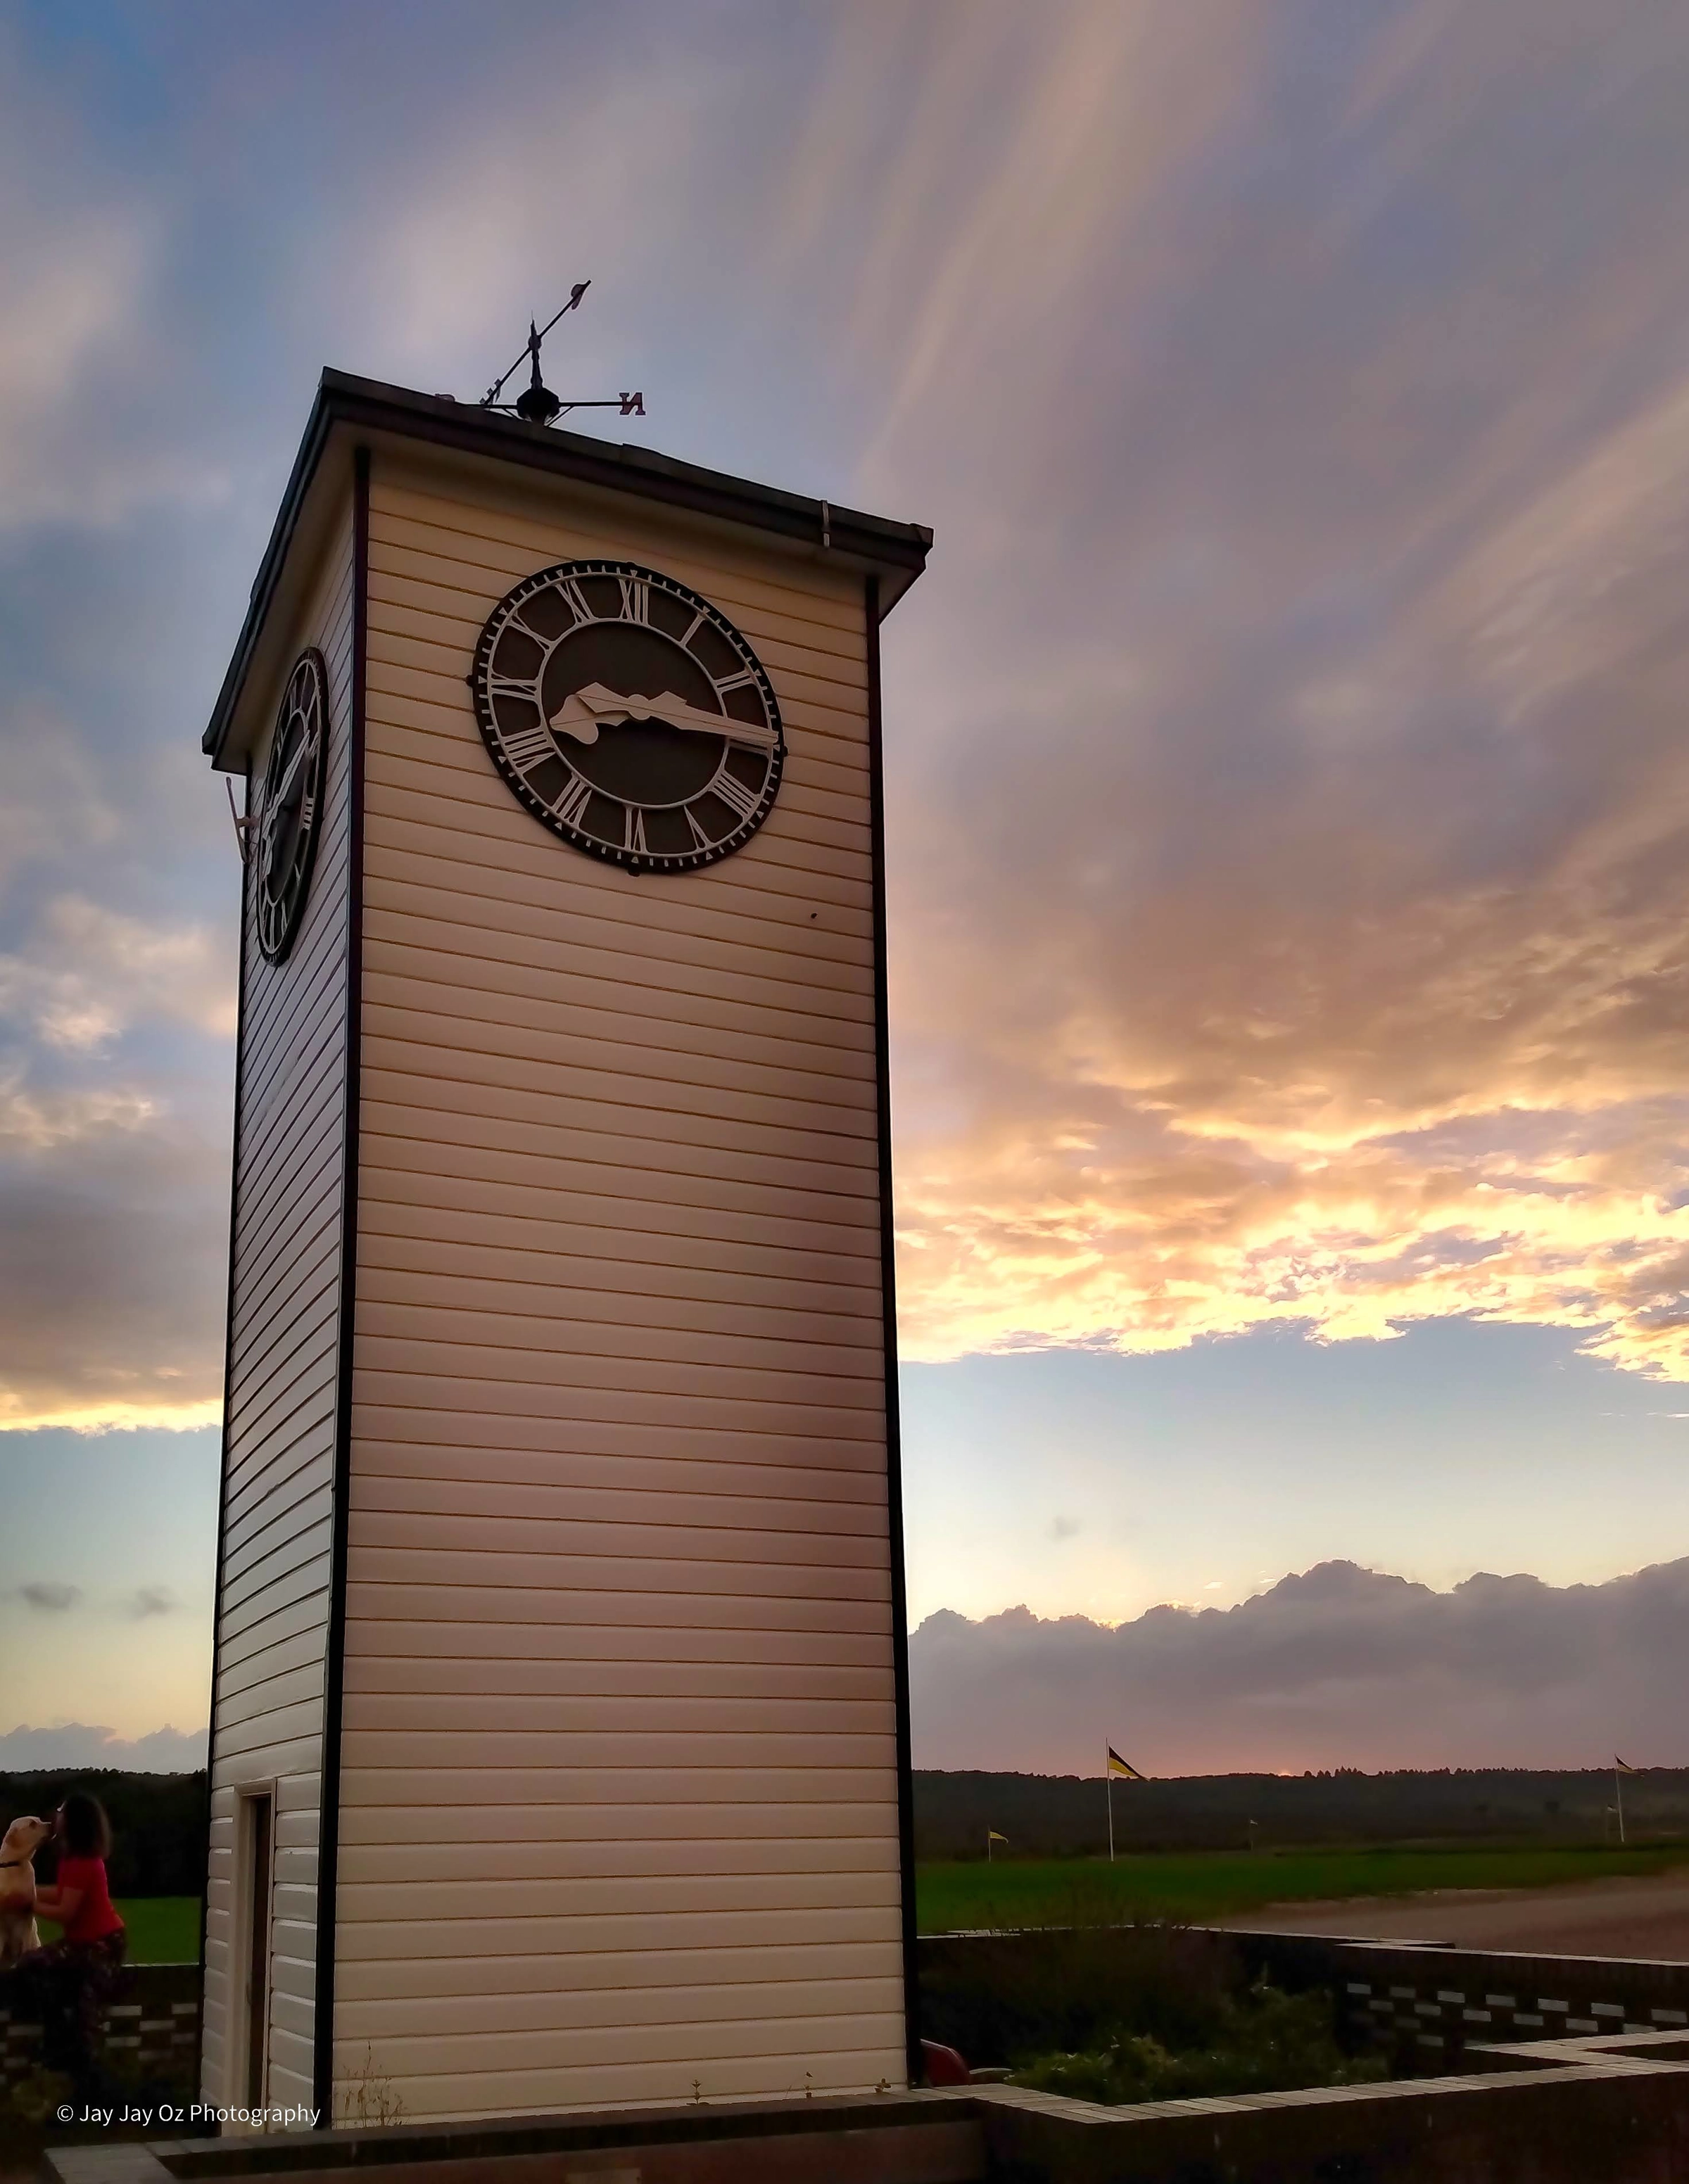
x,y
1287,789
1469,1105
1291,791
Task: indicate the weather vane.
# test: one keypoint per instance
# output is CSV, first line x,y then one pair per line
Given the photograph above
x,y
537,405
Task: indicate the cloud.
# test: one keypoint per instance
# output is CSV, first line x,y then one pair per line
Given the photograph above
x,y
84,331
114,1044
69,305
112,1175
1288,894
44,1120
48,1596
1339,1666
77,1744
449,264
150,1600
1287,801
55,805
90,972
112,1287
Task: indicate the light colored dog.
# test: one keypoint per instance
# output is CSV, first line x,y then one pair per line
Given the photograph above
x,y
18,1934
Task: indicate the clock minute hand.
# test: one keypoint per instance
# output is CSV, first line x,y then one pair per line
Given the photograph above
x,y
278,806
678,714
583,710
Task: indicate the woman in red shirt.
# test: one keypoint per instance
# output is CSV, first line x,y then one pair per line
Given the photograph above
x,y
78,1973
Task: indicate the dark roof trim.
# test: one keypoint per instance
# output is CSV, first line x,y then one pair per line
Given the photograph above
x,y
269,573
895,551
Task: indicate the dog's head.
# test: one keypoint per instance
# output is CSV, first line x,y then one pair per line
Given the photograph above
x,y
23,1839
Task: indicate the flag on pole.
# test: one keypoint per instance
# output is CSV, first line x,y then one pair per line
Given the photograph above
x,y
1117,1765
1624,1766
991,1836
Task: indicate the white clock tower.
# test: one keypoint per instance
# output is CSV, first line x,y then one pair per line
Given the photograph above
x,y
559,1737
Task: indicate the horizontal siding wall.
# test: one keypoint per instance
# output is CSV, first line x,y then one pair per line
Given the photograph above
x,y
619,1811
273,1610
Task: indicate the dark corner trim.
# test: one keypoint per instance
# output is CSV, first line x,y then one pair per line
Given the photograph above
x,y
893,1441
334,1652
223,1443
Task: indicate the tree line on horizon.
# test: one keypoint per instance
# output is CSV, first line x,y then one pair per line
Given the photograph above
x,y
1067,1815
159,1824
158,1821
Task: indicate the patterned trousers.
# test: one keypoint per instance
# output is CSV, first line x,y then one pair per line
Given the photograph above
x,y
70,1983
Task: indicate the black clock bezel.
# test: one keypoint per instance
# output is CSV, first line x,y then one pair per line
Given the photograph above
x,y
626,860
310,664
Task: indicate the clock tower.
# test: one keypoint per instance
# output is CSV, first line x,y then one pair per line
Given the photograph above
x,y
560,1743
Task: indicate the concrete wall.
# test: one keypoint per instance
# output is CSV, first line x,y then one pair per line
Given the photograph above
x,y
1579,2117
1433,2003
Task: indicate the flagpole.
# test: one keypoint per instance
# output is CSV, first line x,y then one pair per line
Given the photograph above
x,y
1619,1800
1108,1777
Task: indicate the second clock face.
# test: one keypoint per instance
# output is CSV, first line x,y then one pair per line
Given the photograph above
x,y
289,807
629,714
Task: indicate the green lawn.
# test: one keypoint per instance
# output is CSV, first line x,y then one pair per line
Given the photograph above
x,y
1203,1885
163,1929
1197,1885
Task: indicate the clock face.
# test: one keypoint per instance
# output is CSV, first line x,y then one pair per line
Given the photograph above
x,y
290,805
629,714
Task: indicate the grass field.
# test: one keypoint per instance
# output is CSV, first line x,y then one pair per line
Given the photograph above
x,y
163,1929
1196,1885
1199,1886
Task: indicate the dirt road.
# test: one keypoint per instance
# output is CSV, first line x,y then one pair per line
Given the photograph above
x,y
1617,1918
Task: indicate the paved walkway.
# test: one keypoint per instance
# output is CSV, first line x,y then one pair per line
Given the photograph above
x,y
1615,1917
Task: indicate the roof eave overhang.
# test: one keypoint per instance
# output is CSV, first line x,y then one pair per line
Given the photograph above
x,y
348,410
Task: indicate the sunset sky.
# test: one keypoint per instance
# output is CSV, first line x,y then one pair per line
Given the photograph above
x,y
1288,784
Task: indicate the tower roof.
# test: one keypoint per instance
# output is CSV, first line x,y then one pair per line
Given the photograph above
x,y
349,411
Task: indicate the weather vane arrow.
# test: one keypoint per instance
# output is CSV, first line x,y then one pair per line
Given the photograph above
x,y
537,405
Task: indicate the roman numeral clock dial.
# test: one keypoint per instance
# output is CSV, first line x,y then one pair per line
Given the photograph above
x,y
629,715
289,807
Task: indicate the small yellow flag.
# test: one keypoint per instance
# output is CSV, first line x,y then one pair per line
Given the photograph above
x,y
1117,1765
991,1836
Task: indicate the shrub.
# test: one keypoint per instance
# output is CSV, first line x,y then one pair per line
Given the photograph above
x,y
1262,2042
1012,1996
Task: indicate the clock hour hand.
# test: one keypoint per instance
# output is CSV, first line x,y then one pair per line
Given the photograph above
x,y
584,711
291,771
279,806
